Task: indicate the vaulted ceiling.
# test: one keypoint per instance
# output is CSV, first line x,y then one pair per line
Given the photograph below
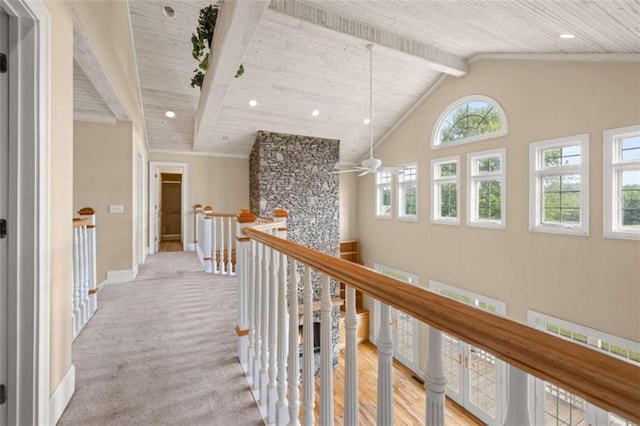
x,y
312,55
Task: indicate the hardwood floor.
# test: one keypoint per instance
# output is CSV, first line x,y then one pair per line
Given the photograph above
x,y
170,246
408,398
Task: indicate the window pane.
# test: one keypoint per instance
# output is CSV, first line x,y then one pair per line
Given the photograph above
x,y
468,120
409,207
630,198
487,165
565,156
384,201
561,199
384,177
448,200
489,205
630,148
408,174
448,169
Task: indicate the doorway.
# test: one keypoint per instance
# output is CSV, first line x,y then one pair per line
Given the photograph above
x,y
4,194
168,180
171,212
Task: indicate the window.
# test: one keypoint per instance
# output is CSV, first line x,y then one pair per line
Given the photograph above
x,y
383,195
559,186
622,183
445,195
486,195
408,193
469,119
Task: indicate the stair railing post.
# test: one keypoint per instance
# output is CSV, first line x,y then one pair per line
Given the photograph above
x,y
243,244
208,219
76,282
385,369
308,362
517,404
435,382
272,390
252,286
218,256
197,210
257,294
84,277
282,415
230,248
294,348
351,397
264,352
89,214
326,355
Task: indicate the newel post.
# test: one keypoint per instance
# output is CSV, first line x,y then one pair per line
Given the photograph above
x,y
243,247
197,209
281,215
89,214
206,256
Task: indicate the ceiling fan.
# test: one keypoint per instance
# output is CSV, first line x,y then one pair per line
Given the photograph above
x,y
371,164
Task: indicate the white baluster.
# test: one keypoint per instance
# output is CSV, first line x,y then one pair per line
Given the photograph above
x,y
264,354
281,407
385,369
294,348
308,366
517,406
230,249
91,236
351,408
435,381
217,252
81,278
258,316
85,275
272,391
222,266
326,355
251,310
207,244
76,283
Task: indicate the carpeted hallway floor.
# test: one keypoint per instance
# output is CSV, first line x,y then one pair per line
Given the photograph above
x,y
161,350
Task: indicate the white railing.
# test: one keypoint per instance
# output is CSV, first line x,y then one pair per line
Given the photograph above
x,y
272,272
84,292
214,240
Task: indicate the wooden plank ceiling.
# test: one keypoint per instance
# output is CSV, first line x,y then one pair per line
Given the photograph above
x,y
295,66
88,105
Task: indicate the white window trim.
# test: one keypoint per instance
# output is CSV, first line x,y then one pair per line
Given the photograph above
x,y
612,165
454,105
377,185
471,216
535,224
435,194
399,185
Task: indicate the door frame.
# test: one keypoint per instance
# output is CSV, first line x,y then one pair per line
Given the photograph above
x,y
140,244
28,218
159,167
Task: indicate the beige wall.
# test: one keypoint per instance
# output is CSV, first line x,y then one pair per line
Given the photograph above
x,y
103,176
61,173
218,181
588,280
107,25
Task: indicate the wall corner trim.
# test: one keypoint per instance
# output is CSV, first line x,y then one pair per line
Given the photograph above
x,y
61,396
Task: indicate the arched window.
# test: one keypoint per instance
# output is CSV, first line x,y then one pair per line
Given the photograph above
x,y
470,119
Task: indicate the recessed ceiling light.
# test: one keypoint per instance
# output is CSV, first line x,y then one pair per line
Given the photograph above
x,y
253,103
170,114
168,11
315,113
567,36
367,121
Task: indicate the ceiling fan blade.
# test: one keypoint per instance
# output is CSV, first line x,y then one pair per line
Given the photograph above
x,y
363,173
345,171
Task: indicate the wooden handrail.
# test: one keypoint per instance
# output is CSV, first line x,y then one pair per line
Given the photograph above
x,y
77,223
607,382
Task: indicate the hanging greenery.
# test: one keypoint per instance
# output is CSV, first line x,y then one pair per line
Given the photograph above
x,y
204,33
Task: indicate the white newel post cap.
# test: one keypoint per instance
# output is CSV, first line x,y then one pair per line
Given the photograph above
x,y
244,219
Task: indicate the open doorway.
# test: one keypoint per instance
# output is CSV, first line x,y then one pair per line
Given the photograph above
x,y
168,201
171,212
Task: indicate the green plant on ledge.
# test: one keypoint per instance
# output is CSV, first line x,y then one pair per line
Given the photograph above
x,y
204,32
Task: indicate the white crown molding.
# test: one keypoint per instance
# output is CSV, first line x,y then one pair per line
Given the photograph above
x,y
560,57
198,153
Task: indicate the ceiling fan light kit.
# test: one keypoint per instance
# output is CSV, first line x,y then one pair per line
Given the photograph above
x,y
371,164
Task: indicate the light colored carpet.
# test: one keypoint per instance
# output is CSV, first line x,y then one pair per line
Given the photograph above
x,y
161,350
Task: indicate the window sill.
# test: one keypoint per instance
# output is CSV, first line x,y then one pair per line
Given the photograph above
x,y
408,219
451,222
580,232
488,225
622,235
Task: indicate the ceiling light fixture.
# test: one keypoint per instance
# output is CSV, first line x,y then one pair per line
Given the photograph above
x,y
567,36
170,114
168,11
367,120
253,103
315,113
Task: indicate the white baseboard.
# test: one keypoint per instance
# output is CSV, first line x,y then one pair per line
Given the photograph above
x,y
62,395
191,247
122,276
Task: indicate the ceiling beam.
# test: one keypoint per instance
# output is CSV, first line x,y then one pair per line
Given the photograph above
x,y
438,60
86,58
237,22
